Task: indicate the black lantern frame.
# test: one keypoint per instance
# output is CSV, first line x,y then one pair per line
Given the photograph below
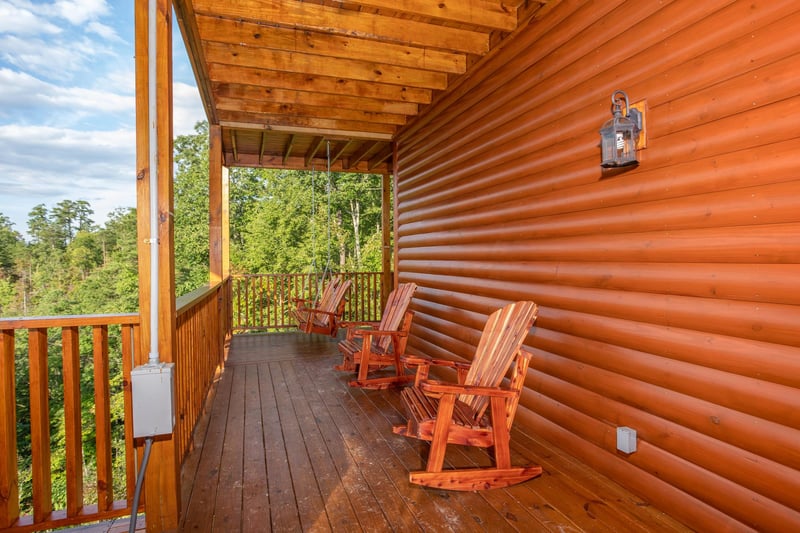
x,y
618,135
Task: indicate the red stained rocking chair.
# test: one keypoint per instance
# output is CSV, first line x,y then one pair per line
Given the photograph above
x,y
444,413
370,346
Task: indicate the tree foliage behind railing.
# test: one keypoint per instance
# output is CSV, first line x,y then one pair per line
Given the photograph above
x,y
263,302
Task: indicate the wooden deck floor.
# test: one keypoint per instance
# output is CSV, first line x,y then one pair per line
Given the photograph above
x,y
286,445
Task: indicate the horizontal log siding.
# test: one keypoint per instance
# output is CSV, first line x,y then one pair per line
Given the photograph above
x,y
669,294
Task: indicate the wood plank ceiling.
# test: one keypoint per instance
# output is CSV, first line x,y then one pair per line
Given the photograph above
x,y
289,81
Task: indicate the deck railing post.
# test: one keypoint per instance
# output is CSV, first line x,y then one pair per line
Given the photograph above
x,y
162,480
9,480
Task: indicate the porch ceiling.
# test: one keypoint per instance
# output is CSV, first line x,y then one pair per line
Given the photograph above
x,y
282,77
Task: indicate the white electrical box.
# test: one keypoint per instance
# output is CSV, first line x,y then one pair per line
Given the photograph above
x,y
626,439
153,391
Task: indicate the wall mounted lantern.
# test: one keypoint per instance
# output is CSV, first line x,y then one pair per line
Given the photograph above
x,y
620,134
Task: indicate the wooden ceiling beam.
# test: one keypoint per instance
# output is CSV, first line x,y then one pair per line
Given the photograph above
x,y
309,16
263,146
298,163
490,15
300,110
288,151
327,127
330,45
316,83
339,150
233,146
362,151
230,122
283,61
316,144
376,160
287,96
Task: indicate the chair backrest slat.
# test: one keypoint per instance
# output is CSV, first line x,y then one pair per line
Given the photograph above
x,y
333,297
393,312
500,342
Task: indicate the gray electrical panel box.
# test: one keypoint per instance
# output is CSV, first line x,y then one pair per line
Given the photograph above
x,y
153,391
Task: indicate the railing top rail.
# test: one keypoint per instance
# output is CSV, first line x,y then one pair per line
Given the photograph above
x,y
35,322
189,300
298,274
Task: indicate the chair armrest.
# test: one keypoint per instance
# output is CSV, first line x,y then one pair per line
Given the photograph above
x,y
302,304
353,324
412,359
423,363
417,360
378,332
437,388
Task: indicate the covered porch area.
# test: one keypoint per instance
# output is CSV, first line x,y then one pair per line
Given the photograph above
x,y
284,444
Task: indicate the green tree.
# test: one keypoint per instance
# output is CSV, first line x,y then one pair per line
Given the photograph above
x,y
247,189
191,210
281,234
68,217
10,244
11,249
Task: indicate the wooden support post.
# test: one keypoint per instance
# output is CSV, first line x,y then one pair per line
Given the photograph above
x,y
387,281
162,479
218,209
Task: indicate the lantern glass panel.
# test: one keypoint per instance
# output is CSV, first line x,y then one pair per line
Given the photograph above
x,y
618,142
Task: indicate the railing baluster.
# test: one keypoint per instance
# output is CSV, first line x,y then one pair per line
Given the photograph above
x,y
9,478
129,335
72,419
41,477
102,417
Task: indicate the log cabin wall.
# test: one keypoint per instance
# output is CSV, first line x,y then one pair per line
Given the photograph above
x,y
669,294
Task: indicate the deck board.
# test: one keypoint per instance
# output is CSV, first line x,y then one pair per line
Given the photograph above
x,y
286,445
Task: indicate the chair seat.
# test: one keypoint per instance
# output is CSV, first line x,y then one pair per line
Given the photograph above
x,y
353,346
422,409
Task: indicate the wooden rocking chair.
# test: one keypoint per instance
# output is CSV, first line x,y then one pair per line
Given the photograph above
x,y
444,413
371,345
325,317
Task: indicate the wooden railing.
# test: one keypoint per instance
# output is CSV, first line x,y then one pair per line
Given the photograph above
x,y
86,360
262,302
203,329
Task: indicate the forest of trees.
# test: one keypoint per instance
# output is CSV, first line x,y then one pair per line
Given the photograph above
x,y
281,221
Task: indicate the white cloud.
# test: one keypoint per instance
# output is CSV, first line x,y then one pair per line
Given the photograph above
x,y
54,59
18,18
104,31
25,94
79,12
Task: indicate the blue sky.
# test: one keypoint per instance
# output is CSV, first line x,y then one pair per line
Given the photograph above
x,y
67,106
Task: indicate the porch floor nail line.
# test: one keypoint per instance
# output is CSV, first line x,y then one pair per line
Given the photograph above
x,y
285,444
